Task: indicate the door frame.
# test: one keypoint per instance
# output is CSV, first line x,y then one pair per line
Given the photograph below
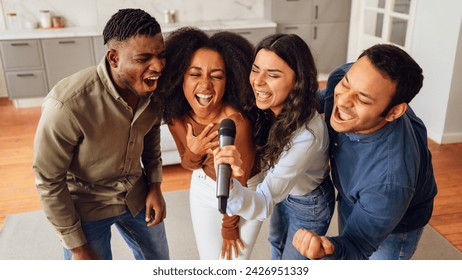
x,y
358,40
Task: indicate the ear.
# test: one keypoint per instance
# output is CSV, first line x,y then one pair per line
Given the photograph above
x,y
396,112
112,58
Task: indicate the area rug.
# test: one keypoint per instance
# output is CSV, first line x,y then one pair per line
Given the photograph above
x,y
29,236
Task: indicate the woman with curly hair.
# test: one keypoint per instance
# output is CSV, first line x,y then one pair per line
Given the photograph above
x,y
204,82
292,141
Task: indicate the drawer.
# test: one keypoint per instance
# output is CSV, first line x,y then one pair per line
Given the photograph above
x,y
21,54
304,31
255,35
99,48
288,11
66,56
26,84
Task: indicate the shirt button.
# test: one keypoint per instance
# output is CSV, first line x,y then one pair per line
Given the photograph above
x,y
335,144
331,156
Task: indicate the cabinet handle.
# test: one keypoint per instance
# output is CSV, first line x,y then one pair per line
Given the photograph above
x,y
244,33
291,28
316,9
19,44
25,75
292,0
67,42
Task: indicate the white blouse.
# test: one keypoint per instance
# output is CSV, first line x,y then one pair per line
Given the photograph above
x,y
299,171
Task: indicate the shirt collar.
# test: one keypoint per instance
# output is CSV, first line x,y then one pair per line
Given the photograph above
x,y
382,132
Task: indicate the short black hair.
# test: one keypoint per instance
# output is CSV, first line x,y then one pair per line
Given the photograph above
x,y
127,23
399,67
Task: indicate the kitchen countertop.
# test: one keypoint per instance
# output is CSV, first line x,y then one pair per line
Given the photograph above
x,y
67,32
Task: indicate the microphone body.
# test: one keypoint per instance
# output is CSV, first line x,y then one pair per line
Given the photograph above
x,y
226,134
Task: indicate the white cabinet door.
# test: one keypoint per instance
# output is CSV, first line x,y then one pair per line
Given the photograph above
x,y
99,48
26,84
66,56
20,54
288,11
303,30
329,45
254,35
331,10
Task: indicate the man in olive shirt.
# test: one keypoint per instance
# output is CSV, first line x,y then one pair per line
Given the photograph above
x,y
97,154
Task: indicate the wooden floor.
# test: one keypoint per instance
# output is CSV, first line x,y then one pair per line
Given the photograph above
x,y
18,193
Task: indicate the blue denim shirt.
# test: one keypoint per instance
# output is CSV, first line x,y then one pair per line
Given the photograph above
x,y
384,179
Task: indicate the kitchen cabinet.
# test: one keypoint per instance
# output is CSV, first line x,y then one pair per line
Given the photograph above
x,y
323,24
254,35
99,48
66,56
23,68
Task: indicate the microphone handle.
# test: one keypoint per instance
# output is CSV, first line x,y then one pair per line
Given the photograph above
x,y
223,175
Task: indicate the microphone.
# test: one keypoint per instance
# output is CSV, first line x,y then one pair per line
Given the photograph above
x,y
226,133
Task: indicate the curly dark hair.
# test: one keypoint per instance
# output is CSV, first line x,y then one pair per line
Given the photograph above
x,y
237,55
272,134
400,67
127,23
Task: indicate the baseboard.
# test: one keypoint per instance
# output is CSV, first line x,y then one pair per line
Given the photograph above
x,y
28,102
451,138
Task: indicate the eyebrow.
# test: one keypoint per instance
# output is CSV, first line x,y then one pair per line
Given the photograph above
x,y
212,71
269,70
366,95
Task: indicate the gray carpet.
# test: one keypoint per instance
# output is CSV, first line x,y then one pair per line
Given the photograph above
x,y
28,236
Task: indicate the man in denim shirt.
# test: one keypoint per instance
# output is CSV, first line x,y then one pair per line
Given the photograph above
x,y
381,165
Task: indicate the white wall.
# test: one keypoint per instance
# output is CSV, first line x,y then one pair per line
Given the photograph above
x,y
453,127
434,46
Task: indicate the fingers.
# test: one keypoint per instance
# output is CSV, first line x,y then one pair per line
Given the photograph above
x,y
189,131
327,245
205,133
226,250
230,246
148,214
202,143
157,216
312,246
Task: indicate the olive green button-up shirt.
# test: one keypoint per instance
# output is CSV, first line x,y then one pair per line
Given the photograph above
x,y
94,157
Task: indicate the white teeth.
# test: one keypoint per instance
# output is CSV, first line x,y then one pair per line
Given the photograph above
x,y
203,96
344,116
262,95
203,99
153,78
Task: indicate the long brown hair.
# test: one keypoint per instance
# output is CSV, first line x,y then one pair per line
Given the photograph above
x,y
272,134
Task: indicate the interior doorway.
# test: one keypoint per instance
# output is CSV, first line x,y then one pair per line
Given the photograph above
x,y
380,21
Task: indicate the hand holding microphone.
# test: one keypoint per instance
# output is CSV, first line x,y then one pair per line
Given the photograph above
x,y
226,134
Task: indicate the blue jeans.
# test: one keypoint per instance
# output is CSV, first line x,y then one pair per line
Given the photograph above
x,y
312,211
146,243
398,246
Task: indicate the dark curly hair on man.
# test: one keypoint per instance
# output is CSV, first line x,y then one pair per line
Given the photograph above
x,y
237,55
273,135
127,23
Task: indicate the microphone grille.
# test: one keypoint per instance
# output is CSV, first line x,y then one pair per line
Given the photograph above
x,y
227,128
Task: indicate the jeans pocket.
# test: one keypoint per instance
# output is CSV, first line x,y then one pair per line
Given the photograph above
x,y
312,211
